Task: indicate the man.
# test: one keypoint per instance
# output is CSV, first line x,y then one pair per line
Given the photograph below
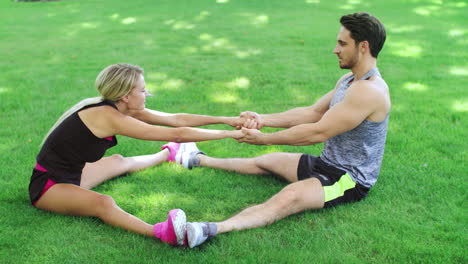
x,y
351,119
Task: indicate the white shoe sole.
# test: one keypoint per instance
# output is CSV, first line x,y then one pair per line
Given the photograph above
x,y
192,234
179,223
183,155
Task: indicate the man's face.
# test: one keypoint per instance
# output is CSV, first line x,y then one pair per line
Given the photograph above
x,y
346,49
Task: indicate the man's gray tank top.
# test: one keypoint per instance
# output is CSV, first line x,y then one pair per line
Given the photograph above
x,y
359,151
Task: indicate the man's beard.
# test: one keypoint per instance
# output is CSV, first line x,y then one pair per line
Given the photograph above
x,y
350,63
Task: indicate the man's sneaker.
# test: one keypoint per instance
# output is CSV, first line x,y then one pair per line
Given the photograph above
x,y
197,233
193,160
173,230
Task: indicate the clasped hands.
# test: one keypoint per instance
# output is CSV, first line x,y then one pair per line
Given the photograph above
x,y
249,124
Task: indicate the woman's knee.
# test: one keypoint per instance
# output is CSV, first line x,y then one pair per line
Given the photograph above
x,y
104,204
117,158
121,162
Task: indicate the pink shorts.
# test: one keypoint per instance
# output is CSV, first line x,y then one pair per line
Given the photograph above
x,y
49,183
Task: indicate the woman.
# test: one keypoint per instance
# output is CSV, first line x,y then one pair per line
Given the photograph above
x,y
71,161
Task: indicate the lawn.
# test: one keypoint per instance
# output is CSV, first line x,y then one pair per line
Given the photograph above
x,y
221,57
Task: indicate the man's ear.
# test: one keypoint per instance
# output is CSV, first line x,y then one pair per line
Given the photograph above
x,y
364,45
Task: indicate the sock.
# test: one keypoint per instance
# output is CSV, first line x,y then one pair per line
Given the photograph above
x,y
211,229
194,159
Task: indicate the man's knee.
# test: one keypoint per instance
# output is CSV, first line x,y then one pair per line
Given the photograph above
x,y
265,161
288,198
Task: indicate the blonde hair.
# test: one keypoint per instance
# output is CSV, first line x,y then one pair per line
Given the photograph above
x,y
113,83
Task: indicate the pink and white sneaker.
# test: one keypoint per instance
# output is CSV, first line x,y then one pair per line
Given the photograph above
x,y
173,148
180,153
173,230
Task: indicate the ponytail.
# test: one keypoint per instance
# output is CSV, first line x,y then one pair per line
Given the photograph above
x,y
69,112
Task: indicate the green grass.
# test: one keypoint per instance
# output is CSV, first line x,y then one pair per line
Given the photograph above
x,y
222,58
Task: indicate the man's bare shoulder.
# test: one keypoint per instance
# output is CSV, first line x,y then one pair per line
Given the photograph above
x,y
374,93
373,85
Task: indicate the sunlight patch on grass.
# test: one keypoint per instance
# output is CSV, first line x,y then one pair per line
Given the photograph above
x,y
161,81
156,75
205,36
312,1
225,97
114,16
240,82
202,16
398,108
405,49
299,95
172,84
213,43
260,20
128,20
456,32
269,149
256,20
460,105
415,87
404,29
459,4
426,10
189,50
89,25
351,4
459,71
182,25
4,90
247,53
222,1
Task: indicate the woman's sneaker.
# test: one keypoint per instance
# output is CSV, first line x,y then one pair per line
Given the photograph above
x,y
173,230
184,154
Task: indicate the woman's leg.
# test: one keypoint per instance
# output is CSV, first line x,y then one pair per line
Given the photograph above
x,y
73,200
109,167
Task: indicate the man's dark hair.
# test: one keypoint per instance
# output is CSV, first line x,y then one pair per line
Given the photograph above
x,y
363,26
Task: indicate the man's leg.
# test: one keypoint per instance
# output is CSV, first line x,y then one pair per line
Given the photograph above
x,y
294,198
280,163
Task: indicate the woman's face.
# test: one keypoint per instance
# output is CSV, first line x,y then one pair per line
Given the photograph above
x,y
137,97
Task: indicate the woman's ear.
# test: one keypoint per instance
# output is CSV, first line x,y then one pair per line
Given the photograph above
x,y
124,99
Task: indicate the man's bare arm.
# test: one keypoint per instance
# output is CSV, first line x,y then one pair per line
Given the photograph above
x,y
293,117
359,103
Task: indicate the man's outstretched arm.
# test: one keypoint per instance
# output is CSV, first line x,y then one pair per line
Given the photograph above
x,y
299,115
359,103
293,117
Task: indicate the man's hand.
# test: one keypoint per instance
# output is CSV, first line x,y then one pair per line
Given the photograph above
x,y
252,136
236,122
251,120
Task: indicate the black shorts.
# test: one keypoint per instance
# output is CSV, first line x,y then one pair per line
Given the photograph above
x,y
338,186
41,180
